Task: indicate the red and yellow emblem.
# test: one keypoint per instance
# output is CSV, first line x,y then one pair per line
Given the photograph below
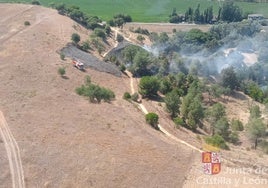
x,y
211,163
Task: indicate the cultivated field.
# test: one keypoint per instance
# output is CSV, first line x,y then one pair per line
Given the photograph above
x,y
149,10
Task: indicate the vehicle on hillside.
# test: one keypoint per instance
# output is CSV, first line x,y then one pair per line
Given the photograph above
x,y
78,64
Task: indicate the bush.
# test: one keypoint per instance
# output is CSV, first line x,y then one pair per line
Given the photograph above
x,y
85,46
179,122
217,141
100,33
62,56
122,68
264,146
27,23
61,71
234,138
152,119
35,2
75,38
94,92
140,38
149,86
127,96
135,97
119,38
237,125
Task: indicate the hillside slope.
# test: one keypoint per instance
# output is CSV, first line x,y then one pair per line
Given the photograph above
x,y
64,140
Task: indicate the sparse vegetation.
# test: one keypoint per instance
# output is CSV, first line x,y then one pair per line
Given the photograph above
x,y
237,125
27,23
217,141
94,92
127,96
152,119
62,56
119,38
75,38
61,71
36,2
135,97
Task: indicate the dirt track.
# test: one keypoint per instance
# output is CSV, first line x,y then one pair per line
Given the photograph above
x,y
13,153
64,140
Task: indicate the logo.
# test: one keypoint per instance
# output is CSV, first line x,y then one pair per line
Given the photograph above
x,y
211,163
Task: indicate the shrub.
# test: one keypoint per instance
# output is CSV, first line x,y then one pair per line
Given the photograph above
x,y
61,71
85,46
178,122
234,138
94,92
216,140
27,23
264,146
100,33
127,96
135,97
62,56
152,119
119,38
36,2
140,38
75,38
142,31
87,80
237,125
122,68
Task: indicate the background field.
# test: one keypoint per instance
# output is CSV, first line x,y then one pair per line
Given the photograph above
x,y
147,10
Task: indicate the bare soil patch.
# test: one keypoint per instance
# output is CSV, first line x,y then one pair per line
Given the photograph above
x,y
65,141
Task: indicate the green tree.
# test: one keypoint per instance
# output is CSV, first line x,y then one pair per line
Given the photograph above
x,y
140,64
214,114
75,38
165,86
217,141
36,2
152,119
229,78
100,33
237,125
256,130
95,93
231,12
255,112
234,138
222,128
172,101
148,86
192,110
129,53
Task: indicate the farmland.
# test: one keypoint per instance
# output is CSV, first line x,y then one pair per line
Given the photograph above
x,y
148,10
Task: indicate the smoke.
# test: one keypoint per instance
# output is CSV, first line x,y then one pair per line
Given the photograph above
x,y
240,47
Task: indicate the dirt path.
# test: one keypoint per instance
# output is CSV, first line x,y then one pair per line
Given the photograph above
x,y
162,129
13,154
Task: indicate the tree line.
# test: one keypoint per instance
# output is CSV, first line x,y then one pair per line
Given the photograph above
x,y
228,12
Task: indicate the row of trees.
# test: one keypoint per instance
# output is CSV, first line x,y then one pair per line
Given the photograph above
x,y
229,12
74,12
119,20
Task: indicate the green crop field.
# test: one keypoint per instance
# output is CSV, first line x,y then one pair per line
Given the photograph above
x,y
147,10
